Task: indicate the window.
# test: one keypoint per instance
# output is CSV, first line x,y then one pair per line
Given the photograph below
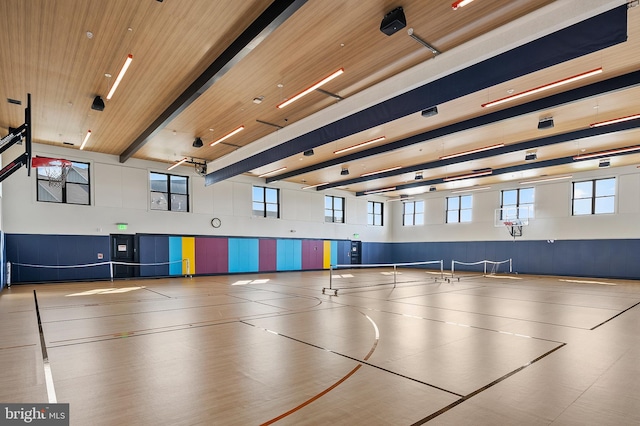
x,y
169,192
459,209
374,213
594,196
333,209
413,213
77,190
266,202
520,201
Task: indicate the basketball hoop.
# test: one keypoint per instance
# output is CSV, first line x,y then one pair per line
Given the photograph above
x,y
514,227
56,169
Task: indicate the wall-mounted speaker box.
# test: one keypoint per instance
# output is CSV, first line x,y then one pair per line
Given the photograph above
x,y
393,21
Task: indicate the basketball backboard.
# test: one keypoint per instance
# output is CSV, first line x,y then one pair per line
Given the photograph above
x,y
513,216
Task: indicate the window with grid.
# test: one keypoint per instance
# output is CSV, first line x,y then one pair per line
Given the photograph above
x,y
596,196
520,201
374,213
77,189
266,202
333,209
459,209
413,213
169,192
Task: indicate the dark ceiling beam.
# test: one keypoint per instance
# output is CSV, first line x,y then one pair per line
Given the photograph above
x,y
278,12
496,172
614,84
515,147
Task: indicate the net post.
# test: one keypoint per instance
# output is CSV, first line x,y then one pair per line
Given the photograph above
x,y
330,277
485,267
111,270
510,266
441,269
452,268
8,274
395,275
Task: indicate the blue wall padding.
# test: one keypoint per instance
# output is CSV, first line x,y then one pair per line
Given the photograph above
x,y
175,255
334,252
56,250
289,255
582,258
593,34
153,249
244,255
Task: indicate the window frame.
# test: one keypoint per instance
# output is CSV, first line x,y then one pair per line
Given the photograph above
x,y
168,193
594,196
414,214
459,209
519,205
333,209
264,210
372,215
64,188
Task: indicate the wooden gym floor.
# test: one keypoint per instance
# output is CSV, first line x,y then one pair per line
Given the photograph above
x,y
272,349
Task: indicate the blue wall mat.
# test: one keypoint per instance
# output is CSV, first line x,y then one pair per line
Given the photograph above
x,y
289,255
334,252
175,255
153,249
56,250
581,258
244,255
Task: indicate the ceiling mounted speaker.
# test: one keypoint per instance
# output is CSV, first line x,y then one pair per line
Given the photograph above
x,y
197,143
393,21
545,123
344,172
430,112
98,104
308,153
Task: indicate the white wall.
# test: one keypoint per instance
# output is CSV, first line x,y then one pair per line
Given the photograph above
x,y
552,221
120,194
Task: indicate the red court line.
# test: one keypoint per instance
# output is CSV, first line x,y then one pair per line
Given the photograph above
x,y
309,401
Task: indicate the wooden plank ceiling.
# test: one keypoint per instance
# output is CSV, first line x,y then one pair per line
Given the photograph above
x,y
63,52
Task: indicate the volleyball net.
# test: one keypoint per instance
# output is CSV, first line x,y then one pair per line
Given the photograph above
x,y
28,272
461,269
351,277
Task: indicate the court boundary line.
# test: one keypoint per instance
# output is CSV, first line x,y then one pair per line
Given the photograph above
x,y
482,389
48,376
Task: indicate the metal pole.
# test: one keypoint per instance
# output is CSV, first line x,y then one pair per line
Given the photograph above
x,y
452,267
510,265
441,269
395,272
485,267
111,270
330,277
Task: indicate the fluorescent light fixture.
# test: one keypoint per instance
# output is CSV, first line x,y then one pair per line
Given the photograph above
x,y
227,136
546,179
315,186
340,151
173,166
127,62
375,191
469,175
272,172
606,153
472,151
311,89
381,171
543,88
460,3
86,138
400,199
615,120
479,188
